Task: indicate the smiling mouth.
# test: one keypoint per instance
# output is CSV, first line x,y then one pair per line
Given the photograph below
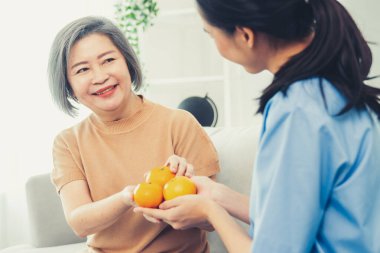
x,y
105,90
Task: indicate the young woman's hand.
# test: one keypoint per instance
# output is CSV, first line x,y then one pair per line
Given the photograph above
x,y
182,212
180,166
205,186
174,212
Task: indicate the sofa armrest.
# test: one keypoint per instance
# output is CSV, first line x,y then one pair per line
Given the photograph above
x,y
236,147
47,222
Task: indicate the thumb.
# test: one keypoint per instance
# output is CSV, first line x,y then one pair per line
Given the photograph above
x,y
170,203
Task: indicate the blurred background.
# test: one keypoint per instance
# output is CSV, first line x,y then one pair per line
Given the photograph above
x,y
179,61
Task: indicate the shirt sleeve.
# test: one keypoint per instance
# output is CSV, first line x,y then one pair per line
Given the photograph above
x,y
292,181
65,167
192,142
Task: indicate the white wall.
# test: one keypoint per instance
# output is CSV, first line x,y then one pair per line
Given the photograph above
x,y
29,120
177,46
2,219
367,15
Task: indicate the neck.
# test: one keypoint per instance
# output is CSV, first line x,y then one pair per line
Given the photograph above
x,y
132,104
282,54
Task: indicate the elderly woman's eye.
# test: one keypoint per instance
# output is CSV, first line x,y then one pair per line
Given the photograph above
x,y
109,60
81,70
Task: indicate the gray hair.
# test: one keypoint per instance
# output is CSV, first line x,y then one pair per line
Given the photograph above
x,y
60,87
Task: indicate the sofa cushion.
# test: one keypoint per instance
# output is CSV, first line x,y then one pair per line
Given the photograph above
x,y
47,222
236,147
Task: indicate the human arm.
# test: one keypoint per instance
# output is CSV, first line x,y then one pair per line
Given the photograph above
x,y
233,236
191,210
86,217
235,203
293,176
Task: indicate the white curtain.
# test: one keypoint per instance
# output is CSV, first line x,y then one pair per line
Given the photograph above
x,y
29,119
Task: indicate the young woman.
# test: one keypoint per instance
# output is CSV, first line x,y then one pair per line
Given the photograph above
x,y
316,178
97,161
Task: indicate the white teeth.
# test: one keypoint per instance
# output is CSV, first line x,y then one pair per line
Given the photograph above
x,y
107,90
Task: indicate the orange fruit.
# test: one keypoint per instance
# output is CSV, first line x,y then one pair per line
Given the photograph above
x,y
159,175
178,186
148,195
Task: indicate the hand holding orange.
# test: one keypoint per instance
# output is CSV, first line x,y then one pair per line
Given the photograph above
x,y
162,183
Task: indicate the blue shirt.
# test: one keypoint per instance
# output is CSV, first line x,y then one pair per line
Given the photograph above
x,y
316,181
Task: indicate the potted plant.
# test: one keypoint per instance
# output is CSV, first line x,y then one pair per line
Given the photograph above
x,y
134,17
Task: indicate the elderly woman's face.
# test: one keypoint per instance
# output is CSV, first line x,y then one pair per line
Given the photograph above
x,y
98,74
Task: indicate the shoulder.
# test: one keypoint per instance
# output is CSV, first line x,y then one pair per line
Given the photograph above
x,y
173,114
307,106
70,135
313,96
180,122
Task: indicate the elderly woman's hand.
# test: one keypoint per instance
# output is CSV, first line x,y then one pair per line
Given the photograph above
x,y
180,166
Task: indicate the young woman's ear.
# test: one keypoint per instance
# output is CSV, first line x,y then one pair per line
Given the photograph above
x,y
246,35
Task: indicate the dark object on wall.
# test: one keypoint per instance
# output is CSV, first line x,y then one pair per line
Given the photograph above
x,y
203,109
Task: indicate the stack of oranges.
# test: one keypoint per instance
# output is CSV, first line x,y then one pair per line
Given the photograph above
x,y
162,184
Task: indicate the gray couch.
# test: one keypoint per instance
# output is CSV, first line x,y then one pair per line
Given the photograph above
x,y
50,233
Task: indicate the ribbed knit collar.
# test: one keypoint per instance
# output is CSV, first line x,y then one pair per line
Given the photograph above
x,y
127,124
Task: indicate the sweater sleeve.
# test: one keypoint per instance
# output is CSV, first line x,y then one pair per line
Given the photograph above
x,y
65,168
192,142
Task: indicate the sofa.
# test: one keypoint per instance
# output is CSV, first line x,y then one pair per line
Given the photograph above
x,y
49,233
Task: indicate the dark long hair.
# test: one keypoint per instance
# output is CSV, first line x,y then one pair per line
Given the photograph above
x,y
338,51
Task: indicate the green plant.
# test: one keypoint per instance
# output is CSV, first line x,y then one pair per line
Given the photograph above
x,y
134,17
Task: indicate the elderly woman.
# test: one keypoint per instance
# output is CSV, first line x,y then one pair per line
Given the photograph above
x,y
97,162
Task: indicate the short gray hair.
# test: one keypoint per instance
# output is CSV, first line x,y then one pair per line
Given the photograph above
x,y
60,87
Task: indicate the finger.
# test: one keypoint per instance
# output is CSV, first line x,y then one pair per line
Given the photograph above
x,y
155,213
133,203
189,171
173,159
151,219
145,175
173,162
166,205
173,168
182,167
208,228
172,203
131,188
127,194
